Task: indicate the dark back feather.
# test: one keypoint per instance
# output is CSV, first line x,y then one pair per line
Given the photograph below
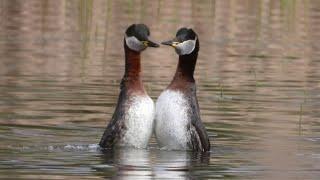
x,y
200,140
116,126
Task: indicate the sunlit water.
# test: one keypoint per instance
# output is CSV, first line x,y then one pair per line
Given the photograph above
x,y
258,88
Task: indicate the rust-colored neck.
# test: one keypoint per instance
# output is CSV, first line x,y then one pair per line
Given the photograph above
x,y
185,70
132,79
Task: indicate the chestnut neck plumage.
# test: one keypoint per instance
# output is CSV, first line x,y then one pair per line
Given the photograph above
x,y
183,77
131,80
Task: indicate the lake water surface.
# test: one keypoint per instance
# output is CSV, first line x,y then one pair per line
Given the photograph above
x,y
258,77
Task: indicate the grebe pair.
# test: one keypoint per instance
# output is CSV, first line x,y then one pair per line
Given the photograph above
x,y
176,117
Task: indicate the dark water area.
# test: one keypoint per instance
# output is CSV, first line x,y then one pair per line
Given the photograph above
x,y
258,80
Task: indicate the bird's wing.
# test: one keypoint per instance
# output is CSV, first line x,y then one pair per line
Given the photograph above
x,y
116,126
199,137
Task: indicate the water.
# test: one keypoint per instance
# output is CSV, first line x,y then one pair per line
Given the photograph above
x,y
258,88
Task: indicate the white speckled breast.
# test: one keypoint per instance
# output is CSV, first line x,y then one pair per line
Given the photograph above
x,y
139,122
171,120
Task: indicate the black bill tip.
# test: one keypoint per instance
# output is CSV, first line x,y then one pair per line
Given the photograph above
x,y
168,43
152,44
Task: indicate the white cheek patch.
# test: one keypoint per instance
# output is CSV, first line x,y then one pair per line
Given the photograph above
x,y
186,47
134,44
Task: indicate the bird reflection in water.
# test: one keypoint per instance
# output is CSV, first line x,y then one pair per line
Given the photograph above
x,y
151,163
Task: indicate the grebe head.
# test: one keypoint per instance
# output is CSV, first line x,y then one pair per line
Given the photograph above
x,y
137,37
185,41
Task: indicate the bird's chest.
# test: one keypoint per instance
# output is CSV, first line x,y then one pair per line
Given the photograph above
x,y
172,118
139,118
173,107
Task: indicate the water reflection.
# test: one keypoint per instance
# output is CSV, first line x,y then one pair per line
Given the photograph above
x,y
177,164
153,163
130,163
172,164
